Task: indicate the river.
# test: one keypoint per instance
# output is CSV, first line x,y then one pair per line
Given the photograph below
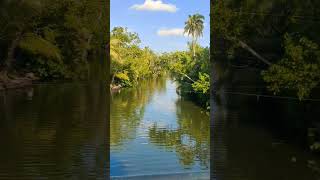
x,y
263,138
53,131
157,134
59,131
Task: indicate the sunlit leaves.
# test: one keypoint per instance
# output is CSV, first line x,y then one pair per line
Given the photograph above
x,y
127,56
194,25
202,84
192,74
298,70
36,45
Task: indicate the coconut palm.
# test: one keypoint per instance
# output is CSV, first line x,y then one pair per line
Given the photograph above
x,y
194,28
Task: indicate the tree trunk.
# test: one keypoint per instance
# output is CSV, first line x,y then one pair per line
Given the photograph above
x,y
112,79
85,51
249,49
10,58
4,76
187,77
10,55
85,54
194,47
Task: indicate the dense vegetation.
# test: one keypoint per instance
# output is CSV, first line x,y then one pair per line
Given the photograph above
x,y
131,63
270,48
278,38
191,69
192,73
54,39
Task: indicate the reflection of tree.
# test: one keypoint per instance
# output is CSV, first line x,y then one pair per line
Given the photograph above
x,y
61,129
127,109
191,140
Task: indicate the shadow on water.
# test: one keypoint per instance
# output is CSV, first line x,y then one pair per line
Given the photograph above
x,y
263,138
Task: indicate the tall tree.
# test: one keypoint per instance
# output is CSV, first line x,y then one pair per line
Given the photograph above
x,y
194,28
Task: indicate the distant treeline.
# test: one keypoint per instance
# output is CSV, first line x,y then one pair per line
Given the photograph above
x,y
131,63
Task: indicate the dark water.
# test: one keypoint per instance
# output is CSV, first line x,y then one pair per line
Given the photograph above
x,y
263,139
53,131
157,135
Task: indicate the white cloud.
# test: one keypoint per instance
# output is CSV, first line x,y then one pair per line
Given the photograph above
x,y
154,5
171,32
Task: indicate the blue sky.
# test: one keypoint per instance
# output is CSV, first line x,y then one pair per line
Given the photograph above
x,y
159,23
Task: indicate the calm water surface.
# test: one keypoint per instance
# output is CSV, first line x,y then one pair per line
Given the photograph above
x,y
58,131
53,131
264,139
157,134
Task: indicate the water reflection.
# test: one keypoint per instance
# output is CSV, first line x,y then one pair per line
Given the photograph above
x,y
53,131
127,110
190,140
154,131
253,140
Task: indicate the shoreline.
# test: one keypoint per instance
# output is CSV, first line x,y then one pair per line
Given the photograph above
x,y
115,88
18,82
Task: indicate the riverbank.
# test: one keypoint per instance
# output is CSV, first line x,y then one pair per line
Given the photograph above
x,y
17,81
115,88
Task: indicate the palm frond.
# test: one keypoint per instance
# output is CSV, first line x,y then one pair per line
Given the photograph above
x,y
37,45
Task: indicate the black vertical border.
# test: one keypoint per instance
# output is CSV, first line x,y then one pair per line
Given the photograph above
x,y
218,151
211,89
107,140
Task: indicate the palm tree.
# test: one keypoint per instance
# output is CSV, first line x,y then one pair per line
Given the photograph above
x,y
194,28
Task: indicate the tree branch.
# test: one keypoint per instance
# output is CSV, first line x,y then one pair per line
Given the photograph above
x,y
253,52
249,49
188,77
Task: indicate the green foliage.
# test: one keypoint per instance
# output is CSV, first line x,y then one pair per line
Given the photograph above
x,y
131,63
192,73
36,45
254,28
123,78
129,59
68,32
47,69
44,57
298,70
194,27
315,146
202,84
227,23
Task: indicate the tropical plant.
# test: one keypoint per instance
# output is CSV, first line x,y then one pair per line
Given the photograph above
x,y
194,28
44,36
129,61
